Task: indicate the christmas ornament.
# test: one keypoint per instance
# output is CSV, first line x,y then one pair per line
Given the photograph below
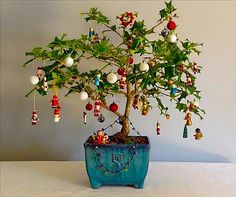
x,y
188,80
122,81
85,117
172,38
100,135
105,139
188,119
68,61
173,90
97,80
83,95
171,25
158,129
144,67
136,102
34,80
145,108
101,118
198,134
113,107
195,68
167,116
34,118
130,60
165,32
170,82
39,72
54,102
57,114
45,84
121,71
181,67
89,106
126,18
111,77
185,133
97,108
91,32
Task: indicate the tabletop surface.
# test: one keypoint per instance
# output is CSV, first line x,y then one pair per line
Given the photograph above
x,y
69,178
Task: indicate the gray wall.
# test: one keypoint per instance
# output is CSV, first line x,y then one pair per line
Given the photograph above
x,y
26,24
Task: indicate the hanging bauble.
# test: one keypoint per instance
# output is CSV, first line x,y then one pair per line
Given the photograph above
x,y
111,77
121,71
144,67
113,107
122,82
171,25
173,90
185,133
165,32
34,80
101,118
188,119
55,102
172,38
57,114
68,61
83,95
89,106
85,117
97,80
97,108
34,118
198,134
130,60
158,128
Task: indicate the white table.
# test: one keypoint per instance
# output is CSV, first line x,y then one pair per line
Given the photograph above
x,y
69,178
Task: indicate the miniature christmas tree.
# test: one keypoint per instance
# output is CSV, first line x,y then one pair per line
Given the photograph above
x,y
163,69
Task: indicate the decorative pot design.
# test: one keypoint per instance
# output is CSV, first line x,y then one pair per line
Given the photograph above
x,y
117,164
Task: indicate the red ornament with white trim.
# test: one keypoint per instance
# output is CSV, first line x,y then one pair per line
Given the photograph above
x,y
189,80
55,102
34,118
113,107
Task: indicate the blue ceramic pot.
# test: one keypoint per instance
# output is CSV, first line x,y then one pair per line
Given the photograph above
x,y
117,164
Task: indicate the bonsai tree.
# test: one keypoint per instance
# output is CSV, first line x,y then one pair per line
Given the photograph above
x,y
140,67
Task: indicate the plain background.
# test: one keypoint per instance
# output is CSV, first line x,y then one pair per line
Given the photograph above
x,y
27,24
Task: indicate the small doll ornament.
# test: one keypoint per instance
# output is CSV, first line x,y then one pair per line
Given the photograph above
x,y
195,68
57,114
105,139
34,118
158,129
45,84
188,119
145,108
136,102
189,80
91,33
198,134
54,102
97,108
100,135
39,72
85,117
97,80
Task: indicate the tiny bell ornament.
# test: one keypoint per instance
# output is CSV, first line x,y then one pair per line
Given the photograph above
x,y
111,77
89,107
158,129
68,62
97,108
34,80
83,95
55,101
113,107
57,114
122,81
198,134
144,67
188,119
34,118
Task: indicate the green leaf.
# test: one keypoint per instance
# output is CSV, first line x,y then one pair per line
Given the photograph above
x,y
169,72
182,107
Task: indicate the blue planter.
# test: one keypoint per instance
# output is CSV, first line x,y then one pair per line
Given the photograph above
x,y
117,164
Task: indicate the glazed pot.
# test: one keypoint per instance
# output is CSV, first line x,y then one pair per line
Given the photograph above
x,y
117,164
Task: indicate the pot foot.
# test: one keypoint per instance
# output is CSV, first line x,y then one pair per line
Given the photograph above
x,y
95,184
139,185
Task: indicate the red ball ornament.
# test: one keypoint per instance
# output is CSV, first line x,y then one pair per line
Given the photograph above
x,y
121,71
130,60
89,107
113,107
171,25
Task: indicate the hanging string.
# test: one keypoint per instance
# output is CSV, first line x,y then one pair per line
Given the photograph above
x,y
54,87
34,101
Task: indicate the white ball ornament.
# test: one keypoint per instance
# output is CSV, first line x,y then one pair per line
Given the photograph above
x,y
34,80
83,96
172,38
68,61
144,67
111,77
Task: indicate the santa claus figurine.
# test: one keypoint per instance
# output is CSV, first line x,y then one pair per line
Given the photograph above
x,y
54,101
34,118
105,139
97,108
123,80
100,135
57,114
